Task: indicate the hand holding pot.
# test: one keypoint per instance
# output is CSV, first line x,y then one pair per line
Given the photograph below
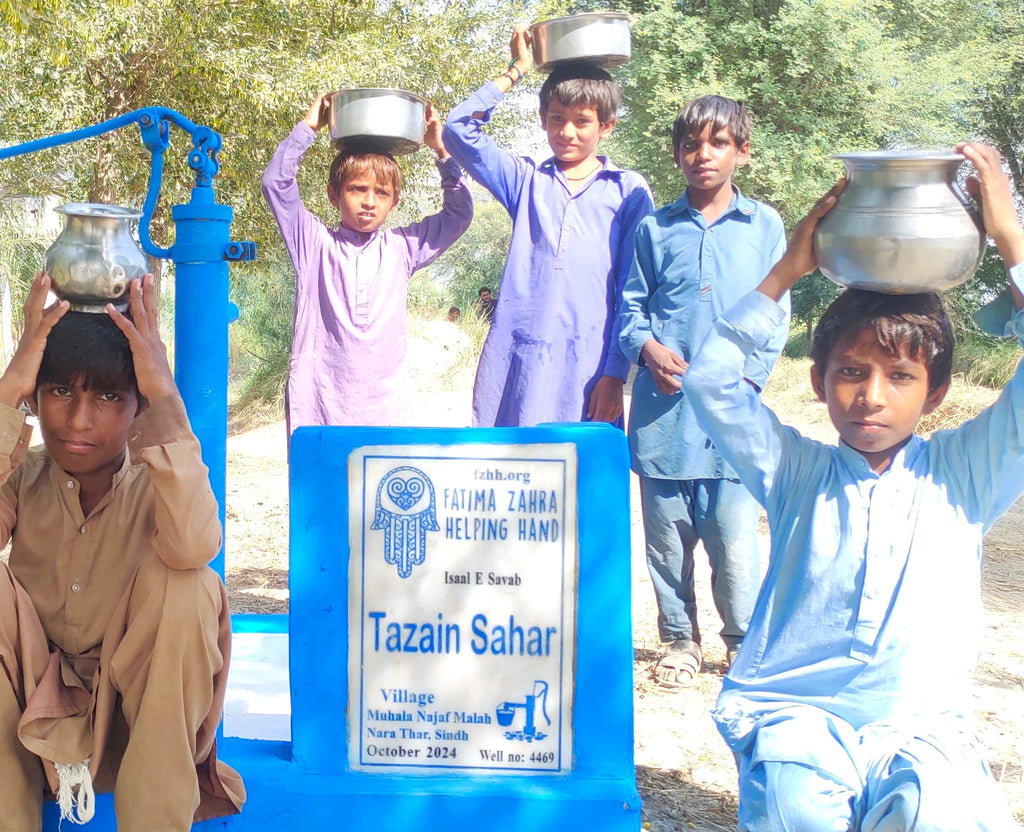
x,y
519,47
800,257
991,189
149,354
316,118
19,380
432,133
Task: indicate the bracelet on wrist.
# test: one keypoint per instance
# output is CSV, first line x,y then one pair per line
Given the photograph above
x,y
519,73
507,74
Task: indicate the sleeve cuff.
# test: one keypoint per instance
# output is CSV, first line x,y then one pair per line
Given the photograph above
x,y
302,134
616,365
1000,317
755,318
633,346
488,97
15,434
163,422
449,169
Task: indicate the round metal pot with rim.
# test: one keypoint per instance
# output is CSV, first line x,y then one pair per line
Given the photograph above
x,y
901,226
95,257
600,38
377,120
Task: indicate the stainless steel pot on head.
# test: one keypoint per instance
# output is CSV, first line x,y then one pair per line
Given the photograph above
x,y
600,38
901,226
377,120
95,257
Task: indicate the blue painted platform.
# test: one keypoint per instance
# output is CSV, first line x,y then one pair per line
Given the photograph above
x,y
306,784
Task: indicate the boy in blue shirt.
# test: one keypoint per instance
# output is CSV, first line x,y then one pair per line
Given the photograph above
x,y
846,708
552,352
693,260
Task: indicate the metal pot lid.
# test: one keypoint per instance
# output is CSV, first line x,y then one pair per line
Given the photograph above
x,y
901,156
586,17
380,92
98,209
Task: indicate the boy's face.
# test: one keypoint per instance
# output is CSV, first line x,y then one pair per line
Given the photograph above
x,y
574,132
364,202
875,399
85,431
709,157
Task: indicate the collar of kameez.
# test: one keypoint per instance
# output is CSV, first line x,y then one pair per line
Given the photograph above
x,y
739,203
904,459
549,166
59,477
356,236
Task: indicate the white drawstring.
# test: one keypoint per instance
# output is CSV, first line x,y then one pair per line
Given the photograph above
x,y
75,788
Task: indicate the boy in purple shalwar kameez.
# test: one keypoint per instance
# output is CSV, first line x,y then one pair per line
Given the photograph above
x,y
552,353
348,347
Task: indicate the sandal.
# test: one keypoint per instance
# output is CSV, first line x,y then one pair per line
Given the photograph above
x,y
680,664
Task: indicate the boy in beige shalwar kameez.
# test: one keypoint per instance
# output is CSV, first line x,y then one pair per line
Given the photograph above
x,y
114,633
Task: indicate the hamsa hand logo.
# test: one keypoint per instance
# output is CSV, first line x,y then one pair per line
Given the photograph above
x,y
405,511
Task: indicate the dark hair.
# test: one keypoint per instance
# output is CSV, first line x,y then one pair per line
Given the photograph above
x,y
717,111
483,289
88,346
581,85
917,325
351,163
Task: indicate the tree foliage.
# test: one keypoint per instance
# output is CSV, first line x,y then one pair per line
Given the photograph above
x,y
478,258
247,70
822,78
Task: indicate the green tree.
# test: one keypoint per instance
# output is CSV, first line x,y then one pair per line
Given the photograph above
x,y
248,71
478,257
820,78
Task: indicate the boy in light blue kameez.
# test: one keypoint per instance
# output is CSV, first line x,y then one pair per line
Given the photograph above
x,y
847,705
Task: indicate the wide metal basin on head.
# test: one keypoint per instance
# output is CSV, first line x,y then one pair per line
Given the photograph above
x,y
95,258
377,120
600,38
901,226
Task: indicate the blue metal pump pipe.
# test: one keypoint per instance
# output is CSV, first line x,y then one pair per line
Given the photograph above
x,y
201,252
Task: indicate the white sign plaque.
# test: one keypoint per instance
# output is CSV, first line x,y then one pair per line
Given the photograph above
x,y
462,607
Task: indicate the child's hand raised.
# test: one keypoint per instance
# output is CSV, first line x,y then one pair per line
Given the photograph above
x,y
152,371
800,258
519,47
432,134
19,379
316,118
991,189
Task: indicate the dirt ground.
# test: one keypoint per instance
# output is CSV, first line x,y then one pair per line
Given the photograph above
x,y
686,776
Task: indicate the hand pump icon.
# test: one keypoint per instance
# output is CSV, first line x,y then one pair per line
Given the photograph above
x,y
506,712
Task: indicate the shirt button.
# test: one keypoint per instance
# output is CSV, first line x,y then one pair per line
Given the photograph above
x,y
71,484
75,587
82,530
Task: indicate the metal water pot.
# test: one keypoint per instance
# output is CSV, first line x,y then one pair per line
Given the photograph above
x,y
376,120
901,226
95,257
600,38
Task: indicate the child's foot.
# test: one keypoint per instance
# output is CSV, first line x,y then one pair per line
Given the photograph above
x,y
679,665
